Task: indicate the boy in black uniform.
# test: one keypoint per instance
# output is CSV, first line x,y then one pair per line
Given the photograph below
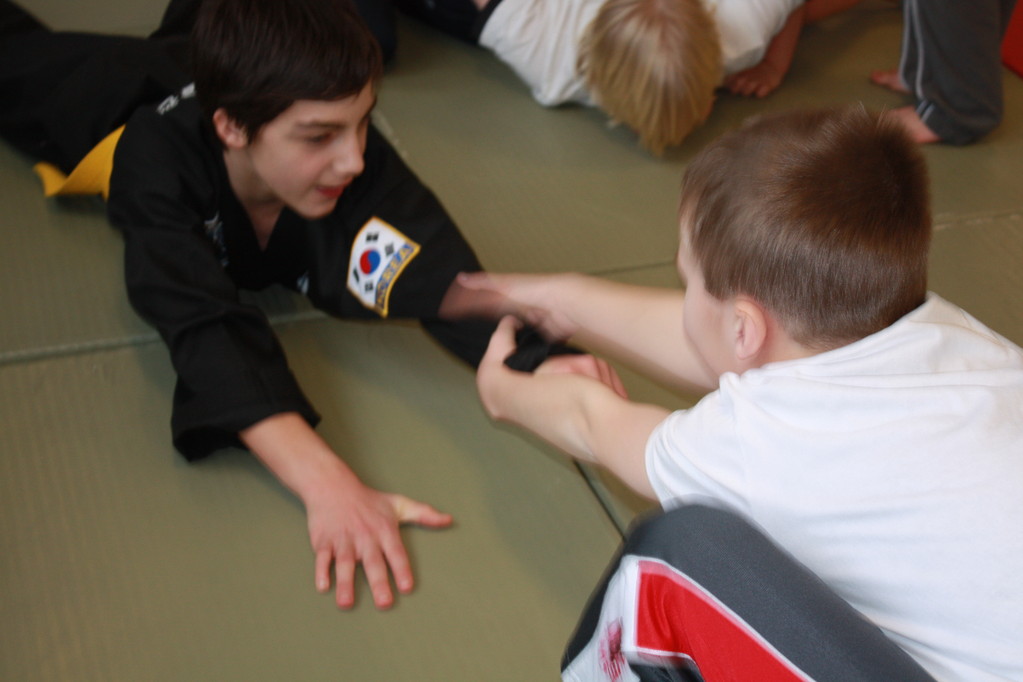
x,y
266,171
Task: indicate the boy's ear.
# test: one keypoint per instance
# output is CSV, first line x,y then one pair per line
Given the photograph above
x,y
232,135
751,328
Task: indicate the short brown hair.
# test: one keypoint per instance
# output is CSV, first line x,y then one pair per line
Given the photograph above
x,y
653,65
255,58
823,217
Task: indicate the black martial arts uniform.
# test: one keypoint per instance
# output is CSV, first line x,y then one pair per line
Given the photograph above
x,y
190,246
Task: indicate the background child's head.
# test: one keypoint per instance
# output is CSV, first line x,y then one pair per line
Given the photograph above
x,y
822,217
255,58
653,65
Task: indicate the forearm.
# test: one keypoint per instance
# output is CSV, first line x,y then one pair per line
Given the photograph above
x,y
638,326
782,47
296,455
582,418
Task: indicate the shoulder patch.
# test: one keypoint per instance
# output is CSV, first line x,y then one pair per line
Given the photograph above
x,y
379,255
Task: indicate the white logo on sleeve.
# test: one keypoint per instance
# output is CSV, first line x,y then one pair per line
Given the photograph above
x,y
379,255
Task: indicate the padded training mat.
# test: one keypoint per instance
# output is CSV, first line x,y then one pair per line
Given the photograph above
x,y
134,17
976,262
121,562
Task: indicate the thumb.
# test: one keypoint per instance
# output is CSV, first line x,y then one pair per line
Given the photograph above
x,y
502,342
409,511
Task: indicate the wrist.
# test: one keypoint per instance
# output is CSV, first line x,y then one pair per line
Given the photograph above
x,y
297,456
565,290
322,475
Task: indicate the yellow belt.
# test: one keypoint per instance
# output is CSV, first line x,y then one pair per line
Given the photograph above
x,y
90,176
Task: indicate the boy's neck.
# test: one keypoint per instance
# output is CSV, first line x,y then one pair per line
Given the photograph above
x,y
260,204
779,346
785,349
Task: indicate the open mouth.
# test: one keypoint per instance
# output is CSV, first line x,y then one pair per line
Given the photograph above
x,y
332,192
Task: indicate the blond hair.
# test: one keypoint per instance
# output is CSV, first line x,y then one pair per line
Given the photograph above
x,y
653,65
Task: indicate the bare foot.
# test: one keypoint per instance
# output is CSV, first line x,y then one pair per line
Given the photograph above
x,y
916,128
889,78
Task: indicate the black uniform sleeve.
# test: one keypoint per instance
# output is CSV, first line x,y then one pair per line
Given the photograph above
x,y
231,369
388,191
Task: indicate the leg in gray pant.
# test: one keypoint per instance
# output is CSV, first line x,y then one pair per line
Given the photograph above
x,y
951,64
699,593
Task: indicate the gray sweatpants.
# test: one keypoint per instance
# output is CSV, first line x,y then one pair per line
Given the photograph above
x,y
951,63
699,593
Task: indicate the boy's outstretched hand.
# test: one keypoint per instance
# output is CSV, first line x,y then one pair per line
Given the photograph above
x,y
349,522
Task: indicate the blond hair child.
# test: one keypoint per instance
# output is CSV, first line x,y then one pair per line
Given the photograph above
x,y
651,65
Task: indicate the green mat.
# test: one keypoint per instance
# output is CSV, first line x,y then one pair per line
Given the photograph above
x,y
121,562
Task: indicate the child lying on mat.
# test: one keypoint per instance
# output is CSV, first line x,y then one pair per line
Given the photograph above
x,y
265,171
651,65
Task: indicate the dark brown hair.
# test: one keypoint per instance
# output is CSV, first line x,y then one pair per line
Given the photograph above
x,y
255,58
823,217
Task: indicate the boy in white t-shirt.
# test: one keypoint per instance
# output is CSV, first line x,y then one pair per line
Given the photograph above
x,y
871,429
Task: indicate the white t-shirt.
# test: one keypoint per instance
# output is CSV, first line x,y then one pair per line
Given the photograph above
x,y
539,39
746,28
892,468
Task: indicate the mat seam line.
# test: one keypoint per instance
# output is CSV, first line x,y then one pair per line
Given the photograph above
x,y
941,223
28,356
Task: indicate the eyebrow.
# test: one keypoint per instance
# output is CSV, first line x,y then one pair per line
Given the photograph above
x,y
318,125
331,125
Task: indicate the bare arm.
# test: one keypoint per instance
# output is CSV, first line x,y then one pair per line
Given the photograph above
x,y
638,326
349,523
817,10
765,77
581,416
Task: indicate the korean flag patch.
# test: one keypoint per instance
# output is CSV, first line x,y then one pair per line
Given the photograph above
x,y
379,255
